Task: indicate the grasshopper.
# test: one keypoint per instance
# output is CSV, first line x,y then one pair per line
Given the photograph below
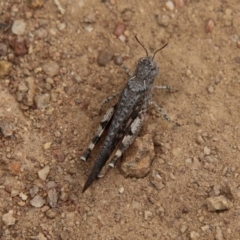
x,y
124,120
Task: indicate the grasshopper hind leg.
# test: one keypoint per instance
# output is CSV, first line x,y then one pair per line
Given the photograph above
x,y
103,125
128,138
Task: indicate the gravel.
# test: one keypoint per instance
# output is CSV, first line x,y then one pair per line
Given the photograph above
x,y
43,173
104,57
8,218
37,201
19,27
218,203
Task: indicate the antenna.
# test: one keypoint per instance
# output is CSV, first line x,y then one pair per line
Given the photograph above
x,y
142,45
159,50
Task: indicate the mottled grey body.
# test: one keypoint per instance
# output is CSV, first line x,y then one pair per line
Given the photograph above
x,y
127,117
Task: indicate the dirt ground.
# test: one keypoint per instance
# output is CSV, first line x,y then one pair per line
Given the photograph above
x,y
51,90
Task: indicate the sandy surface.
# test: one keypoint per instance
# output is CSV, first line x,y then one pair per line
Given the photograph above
x,y
48,124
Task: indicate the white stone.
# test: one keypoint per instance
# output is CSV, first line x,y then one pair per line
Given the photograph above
x,y
37,201
8,218
43,173
18,27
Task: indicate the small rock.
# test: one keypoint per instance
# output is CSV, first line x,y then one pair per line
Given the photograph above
x,y
37,201
104,57
121,190
194,235
183,228
34,190
7,128
179,3
40,33
218,203
28,98
51,184
119,29
64,236
138,162
47,145
209,25
23,196
40,236
89,18
34,4
14,168
210,89
156,180
22,87
18,27
61,26
163,20
147,215
8,218
3,49
42,100
51,68
207,151
52,197
200,139
170,5
5,68
219,234
127,14
118,60
64,195
51,213
19,45
43,173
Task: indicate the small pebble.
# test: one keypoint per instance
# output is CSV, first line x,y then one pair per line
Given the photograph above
x,y
18,27
51,213
19,45
147,215
14,168
156,180
52,197
3,49
119,29
34,4
163,20
194,235
104,57
207,150
199,139
210,89
219,234
122,38
23,196
179,3
170,5
47,145
34,190
37,201
121,190
209,25
218,203
5,68
40,33
7,128
118,60
61,26
51,68
51,184
42,100
43,173
8,218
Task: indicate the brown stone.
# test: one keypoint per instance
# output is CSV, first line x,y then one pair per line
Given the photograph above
x,y
139,157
